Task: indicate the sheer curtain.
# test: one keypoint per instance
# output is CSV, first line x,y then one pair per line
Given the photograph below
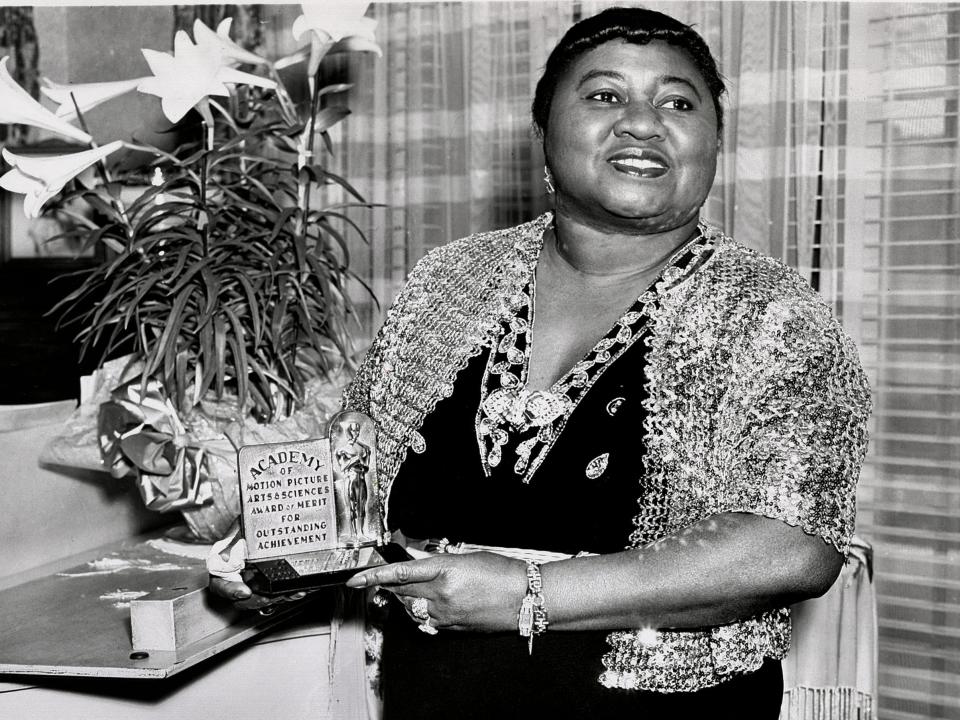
x,y
841,156
441,133
781,64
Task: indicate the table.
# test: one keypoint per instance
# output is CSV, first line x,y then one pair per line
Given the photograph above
x,y
65,645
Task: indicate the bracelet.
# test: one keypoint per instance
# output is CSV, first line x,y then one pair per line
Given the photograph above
x,y
532,618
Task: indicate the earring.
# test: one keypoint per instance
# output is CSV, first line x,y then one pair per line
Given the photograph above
x,y
548,180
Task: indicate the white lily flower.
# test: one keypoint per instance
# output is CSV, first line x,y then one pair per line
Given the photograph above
x,y
335,20
335,24
288,60
41,178
18,107
88,95
193,72
203,35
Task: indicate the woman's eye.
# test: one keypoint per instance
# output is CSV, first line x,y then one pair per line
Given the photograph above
x,y
605,96
678,103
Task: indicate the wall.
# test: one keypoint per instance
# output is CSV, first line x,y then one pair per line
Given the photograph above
x,y
50,513
99,44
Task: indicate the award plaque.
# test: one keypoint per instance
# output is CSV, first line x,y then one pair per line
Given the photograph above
x,y
310,509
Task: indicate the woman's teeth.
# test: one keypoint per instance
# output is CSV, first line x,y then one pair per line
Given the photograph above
x,y
639,167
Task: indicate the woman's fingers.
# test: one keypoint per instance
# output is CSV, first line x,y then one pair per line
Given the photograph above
x,y
471,591
404,573
229,590
269,605
243,597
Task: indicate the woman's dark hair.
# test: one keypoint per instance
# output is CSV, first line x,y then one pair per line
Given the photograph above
x,y
635,25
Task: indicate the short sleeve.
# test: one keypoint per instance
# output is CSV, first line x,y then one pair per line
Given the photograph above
x,y
793,432
356,396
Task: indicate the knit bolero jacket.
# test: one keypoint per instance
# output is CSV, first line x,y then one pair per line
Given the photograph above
x,y
756,403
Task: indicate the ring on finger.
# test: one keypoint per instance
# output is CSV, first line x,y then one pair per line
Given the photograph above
x,y
419,610
426,627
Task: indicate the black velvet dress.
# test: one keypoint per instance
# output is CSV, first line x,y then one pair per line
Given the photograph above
x,y
445,493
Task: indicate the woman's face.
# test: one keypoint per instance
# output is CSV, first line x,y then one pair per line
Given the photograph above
x,y
632,137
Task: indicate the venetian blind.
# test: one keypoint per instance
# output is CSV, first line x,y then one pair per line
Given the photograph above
x,y
901,299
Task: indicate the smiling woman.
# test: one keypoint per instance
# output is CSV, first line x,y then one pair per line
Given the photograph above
x,y
633,137
647,435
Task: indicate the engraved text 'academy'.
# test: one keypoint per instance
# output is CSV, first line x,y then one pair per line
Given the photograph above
x,y
283,457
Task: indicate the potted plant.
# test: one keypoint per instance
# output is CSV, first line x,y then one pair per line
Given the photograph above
x,y
221,282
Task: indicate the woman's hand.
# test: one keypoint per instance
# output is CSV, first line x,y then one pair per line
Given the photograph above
x,y
475,591
244,598
727,567
229,578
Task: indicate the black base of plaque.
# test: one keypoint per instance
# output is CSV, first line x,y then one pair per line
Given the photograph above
x,y
320,568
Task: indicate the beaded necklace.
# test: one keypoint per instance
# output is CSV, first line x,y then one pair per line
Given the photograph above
x,y
535,419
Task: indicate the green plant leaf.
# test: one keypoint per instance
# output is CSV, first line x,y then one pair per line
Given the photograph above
x,y
212,288
220,348
77,218
341,241
103,313
278,317
347,219
327,141
143,287
166,346
335,88
253,304
300,251
264,192
146,198
240,204
117,340
185,279
286,144
354,277
320,174
207,359
239,355
102,205
303,311
328,117
262,405
281,223
183,255
287,107
180,379
266,377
